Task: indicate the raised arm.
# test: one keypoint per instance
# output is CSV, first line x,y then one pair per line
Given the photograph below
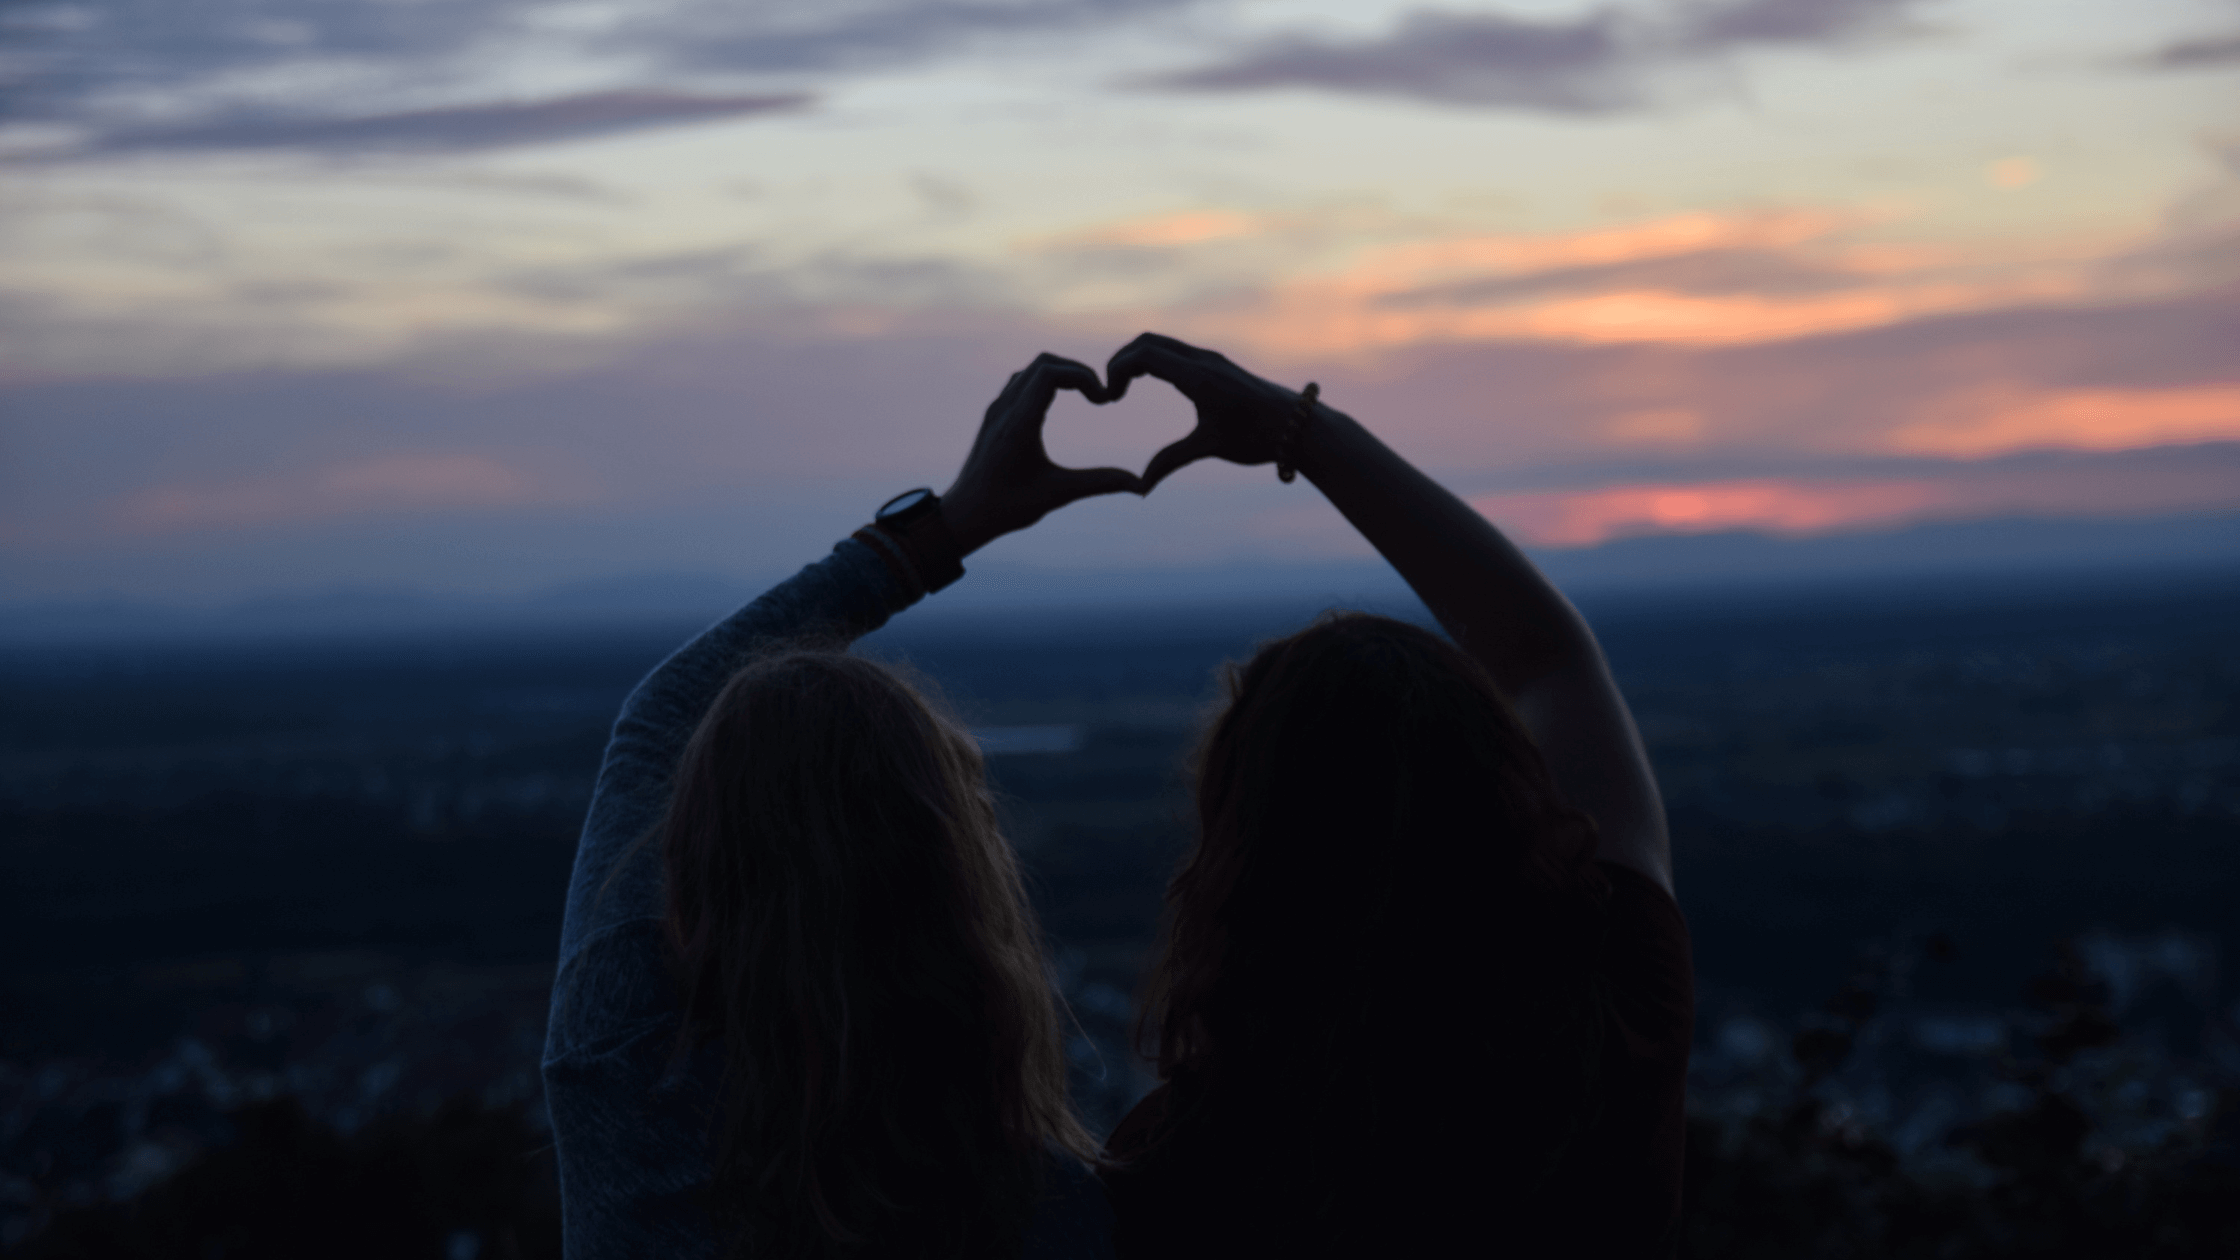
x,y
1007,483
1490,598
632,1139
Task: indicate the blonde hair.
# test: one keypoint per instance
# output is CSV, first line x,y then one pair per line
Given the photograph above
x,y
851,927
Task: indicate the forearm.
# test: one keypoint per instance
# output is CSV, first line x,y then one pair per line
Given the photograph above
x,y
1490,598
1499,607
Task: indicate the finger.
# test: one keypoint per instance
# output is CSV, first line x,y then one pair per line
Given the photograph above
x,y
1148,355
1084,483
1164,342
1076,375
991,420
1054,362
1009,391
1127,363
1049,374
1175,344
1198,445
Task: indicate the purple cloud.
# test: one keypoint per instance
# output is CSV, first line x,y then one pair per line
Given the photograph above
x,y
99,62
2206,53
1791,22
1596,63
461,127
1476,59
1709,271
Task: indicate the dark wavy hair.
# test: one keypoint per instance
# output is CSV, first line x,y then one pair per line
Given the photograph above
x,y
850,928
1378,974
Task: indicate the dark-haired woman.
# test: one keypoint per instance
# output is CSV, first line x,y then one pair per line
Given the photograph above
x,y
801,1007
1424,988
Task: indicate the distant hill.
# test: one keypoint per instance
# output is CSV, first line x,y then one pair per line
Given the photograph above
x,y
1974,555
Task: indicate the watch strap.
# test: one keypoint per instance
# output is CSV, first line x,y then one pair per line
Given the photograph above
x,y
932,549
921,553
889,551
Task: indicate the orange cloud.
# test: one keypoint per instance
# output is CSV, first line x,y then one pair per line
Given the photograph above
x,y
1187,228
399,483
1614,286
1398,267
1586,518
1308,320
2149,483
2011,173
1979,424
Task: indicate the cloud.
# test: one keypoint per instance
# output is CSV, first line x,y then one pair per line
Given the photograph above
x,y
380,486
1803,507
1720,27
1710,271
1970,385
630,450
1874,403
1579,66
1420,282
2209,52
792,36
67,59
1590,517
1998,420
1598,62
462,127
1701,279
144,74
1189,227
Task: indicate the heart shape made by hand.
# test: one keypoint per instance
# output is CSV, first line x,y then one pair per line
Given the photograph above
x,y
1009,480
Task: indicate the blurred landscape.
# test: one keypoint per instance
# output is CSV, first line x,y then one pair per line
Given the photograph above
x,y
327,874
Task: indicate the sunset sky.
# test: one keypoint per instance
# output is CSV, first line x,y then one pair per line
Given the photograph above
x,y
486,295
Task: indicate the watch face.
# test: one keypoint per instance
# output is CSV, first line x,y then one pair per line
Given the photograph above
x,y
908,503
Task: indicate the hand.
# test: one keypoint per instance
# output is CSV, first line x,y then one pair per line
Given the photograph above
x,y
1008,481
1241,418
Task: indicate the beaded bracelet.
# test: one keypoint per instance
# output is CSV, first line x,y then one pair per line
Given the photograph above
x,y
1286,460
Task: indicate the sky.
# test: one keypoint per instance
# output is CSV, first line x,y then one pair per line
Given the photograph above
x,y
491,295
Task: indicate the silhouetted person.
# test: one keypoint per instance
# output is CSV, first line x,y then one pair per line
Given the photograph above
x,y
802,1008
1423,987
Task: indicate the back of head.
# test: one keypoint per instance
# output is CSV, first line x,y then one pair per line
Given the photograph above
x,y
1380,953
851,929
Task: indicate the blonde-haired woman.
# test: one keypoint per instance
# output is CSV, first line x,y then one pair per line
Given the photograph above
x,y
801,1007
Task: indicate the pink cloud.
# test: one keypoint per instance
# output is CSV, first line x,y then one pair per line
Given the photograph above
x,y
1704,279
1189,227
389,484
1589,516
1868,429
1993,422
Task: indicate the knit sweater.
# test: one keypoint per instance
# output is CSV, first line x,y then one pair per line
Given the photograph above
x,y
634,1133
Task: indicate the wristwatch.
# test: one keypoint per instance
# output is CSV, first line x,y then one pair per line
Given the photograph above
x,y
909,534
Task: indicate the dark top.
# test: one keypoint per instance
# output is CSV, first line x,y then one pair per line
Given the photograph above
x,y
633,1135
1617,1192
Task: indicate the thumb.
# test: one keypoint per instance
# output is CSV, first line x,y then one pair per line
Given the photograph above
x,y
1189,450
1084,483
